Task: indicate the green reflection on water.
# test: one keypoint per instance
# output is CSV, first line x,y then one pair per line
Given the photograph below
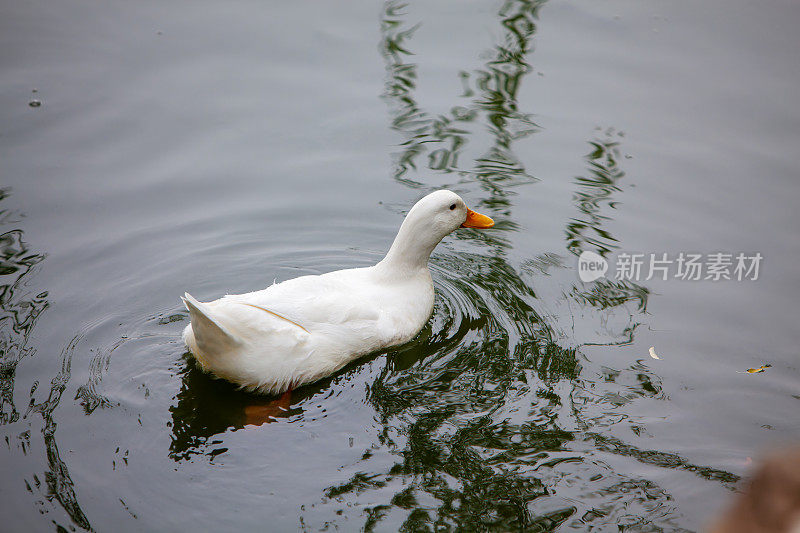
x,y
443,137
594,194
493,413
19,312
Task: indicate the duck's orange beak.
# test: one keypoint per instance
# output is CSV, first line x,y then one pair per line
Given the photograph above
x,y
476,220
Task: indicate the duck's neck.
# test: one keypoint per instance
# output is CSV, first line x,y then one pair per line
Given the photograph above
x,y
411,248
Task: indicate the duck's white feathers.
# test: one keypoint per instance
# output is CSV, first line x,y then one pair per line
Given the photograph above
x,y
267,340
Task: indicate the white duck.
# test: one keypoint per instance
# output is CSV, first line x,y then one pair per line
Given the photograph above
x,y
304,329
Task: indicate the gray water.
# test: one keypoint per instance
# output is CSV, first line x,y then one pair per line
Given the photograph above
x,y
215,148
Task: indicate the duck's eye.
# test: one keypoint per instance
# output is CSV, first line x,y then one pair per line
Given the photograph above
x,y
452,207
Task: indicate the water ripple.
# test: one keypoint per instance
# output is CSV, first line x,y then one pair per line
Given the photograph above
x,y
495,409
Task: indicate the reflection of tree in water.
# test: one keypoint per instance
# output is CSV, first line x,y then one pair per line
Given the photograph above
x,y
444,136
488,416
59,483
19,309
19,312
595,194
618,301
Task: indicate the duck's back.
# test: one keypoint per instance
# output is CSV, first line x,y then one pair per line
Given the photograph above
x,y
317,301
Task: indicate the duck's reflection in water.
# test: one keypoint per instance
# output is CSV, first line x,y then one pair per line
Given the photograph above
x,y
257,414
207,406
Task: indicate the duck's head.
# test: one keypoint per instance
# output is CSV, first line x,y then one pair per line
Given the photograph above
x,y
430,220
442,212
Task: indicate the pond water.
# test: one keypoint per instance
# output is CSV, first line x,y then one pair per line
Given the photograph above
x,y
214,148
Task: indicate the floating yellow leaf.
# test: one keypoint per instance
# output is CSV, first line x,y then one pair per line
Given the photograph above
x,y
653,353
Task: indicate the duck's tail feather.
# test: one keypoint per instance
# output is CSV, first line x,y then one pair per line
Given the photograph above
x,y
211,337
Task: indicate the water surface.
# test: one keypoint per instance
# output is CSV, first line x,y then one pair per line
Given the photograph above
x,y
216,148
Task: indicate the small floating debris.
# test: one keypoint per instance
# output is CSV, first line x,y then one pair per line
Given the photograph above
x,y
755,370
35,103
653,353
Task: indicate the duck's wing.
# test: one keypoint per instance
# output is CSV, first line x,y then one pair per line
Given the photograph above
x,y
312,303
